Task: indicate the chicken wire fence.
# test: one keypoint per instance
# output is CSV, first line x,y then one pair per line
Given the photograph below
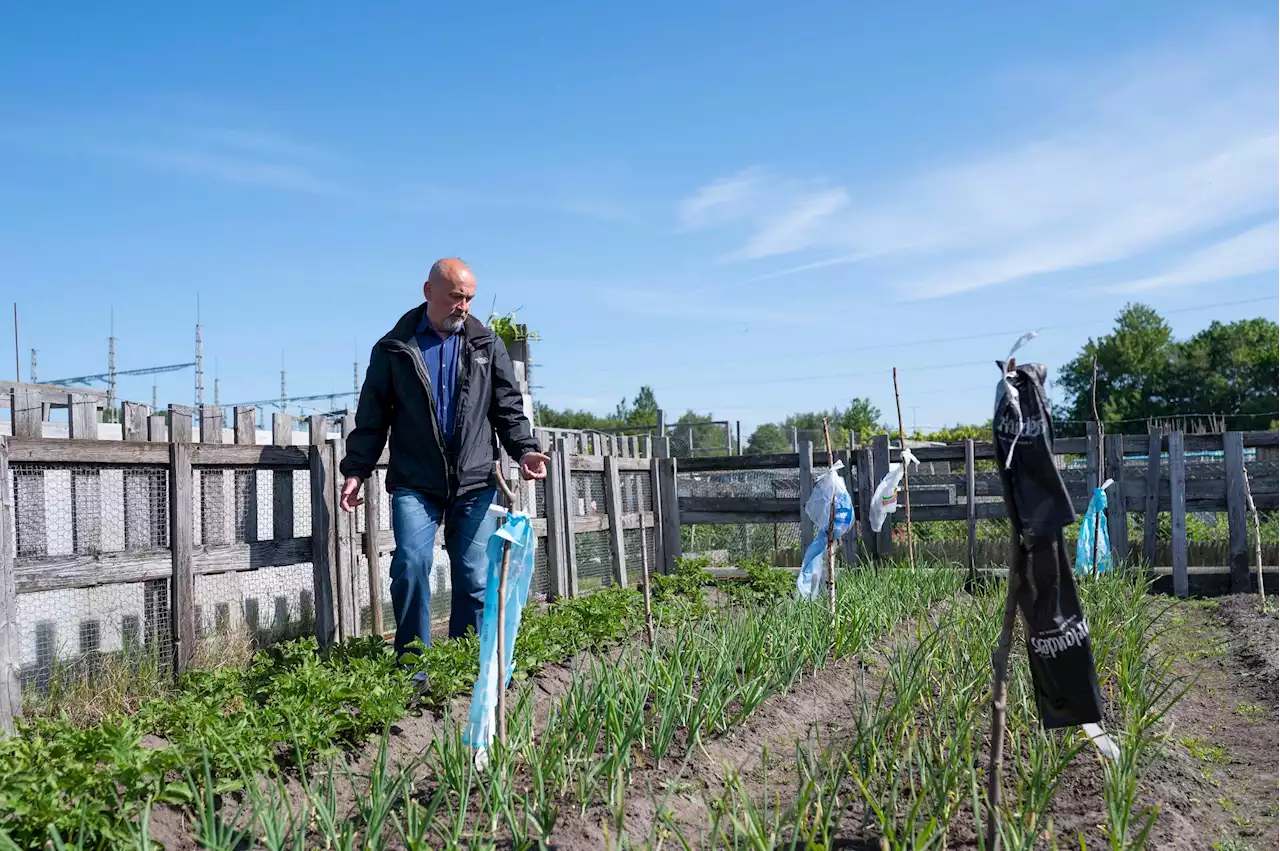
x,y
691,440
63,510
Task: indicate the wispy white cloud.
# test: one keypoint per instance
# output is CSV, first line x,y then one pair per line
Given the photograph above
x,y
1248,253
247,157
1137,157
562,202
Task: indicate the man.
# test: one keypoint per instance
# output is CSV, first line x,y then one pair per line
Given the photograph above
x,y
443,384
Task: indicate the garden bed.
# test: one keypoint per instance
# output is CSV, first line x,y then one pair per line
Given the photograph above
x,y
755,724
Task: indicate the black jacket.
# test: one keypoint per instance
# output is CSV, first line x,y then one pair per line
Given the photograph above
x,y
397,396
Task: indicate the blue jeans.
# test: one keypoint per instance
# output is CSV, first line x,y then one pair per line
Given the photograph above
x,y
467,527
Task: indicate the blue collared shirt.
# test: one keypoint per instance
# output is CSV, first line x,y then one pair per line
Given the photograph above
x,y
441,355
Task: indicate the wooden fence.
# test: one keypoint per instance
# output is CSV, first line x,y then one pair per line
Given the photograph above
x,y
169,539
1153,474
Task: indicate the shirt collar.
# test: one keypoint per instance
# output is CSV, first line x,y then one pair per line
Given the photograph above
x,y
424,325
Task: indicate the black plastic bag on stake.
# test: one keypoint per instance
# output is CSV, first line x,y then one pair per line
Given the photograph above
x,y
1061,658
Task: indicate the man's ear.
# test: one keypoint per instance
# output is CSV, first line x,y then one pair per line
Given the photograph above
x,y
426,290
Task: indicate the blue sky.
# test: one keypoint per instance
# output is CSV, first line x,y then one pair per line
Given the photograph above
x,y
754,208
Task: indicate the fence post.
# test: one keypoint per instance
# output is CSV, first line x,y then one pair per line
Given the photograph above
x,y
282,481
133,421
553,506
180,423
26,413
671,545
971,507
181,543
1237,531
1117,517
344,526
82,417
805,453
655,494
246,434
372,555
850,539
323,550
880,459
1151,502
866,484
1093,457
613,507
10,651
1178,524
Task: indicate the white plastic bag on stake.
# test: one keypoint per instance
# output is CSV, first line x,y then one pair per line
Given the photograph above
x,y
885,499
813,574
518,531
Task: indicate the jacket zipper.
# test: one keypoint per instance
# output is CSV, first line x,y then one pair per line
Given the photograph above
x,y
420,367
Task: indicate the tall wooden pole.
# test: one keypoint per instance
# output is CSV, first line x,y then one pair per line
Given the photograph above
x,y
1257,538
906,480
1097,428
831,529
510,498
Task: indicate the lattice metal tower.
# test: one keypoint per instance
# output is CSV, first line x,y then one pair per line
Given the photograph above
x,y
111,364
33,366
283,395
199,359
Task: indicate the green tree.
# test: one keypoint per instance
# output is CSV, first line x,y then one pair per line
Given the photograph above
x,y
1144,373
860,418
768,439
1133,363
693,434
1228,369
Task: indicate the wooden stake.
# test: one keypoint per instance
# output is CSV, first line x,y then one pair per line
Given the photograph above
x,y
906,479
999,684
1257,538
1097,427
648,600
831,529
510,498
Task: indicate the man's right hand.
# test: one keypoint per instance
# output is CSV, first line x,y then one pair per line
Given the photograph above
x,y
349,500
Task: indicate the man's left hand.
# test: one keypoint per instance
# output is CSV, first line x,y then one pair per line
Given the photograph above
x,y
533,465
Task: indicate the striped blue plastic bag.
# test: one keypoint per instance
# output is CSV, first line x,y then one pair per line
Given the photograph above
x,y
1097,510
813,574
484,699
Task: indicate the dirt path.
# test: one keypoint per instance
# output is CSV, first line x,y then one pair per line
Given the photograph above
x,y
1217,779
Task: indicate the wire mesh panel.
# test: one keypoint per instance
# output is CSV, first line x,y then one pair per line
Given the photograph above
x,y
776,543
595,561
75,635
631,541
636,492
586,494
258,606
770,484
543,583
88,510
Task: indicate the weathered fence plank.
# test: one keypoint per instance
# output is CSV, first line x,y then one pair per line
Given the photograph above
x,y
806,489
1237,530
10,636
880,465
1151,499
971,508
613,507
668,493
82,418
1117,519
133,421
181,543
282,481
1178,520
866,484
324,556
372,510
557,521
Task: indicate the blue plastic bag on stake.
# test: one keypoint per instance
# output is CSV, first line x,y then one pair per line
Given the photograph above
x,y
813,574
484,699
1097,511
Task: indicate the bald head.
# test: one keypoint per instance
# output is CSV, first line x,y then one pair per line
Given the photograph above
x,y
449,289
